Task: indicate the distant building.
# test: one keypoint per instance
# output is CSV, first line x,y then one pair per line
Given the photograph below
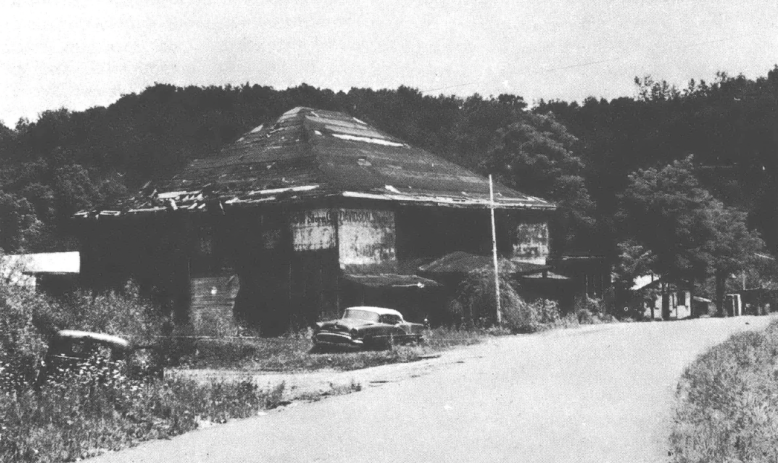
x,y
647,294
298,219
51,272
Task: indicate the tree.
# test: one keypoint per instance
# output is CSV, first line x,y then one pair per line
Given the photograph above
x,y
535,155
688,232
20,228
663,210
732,248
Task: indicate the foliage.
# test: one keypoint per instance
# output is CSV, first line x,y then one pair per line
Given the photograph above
x,y
531,317
633,260
21,345
21,226
84,415
680,231
726,408
577,154
474,303
28,319
535,155
293,353
124,314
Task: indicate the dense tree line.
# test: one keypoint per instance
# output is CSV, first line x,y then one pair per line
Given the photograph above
x,y
595,159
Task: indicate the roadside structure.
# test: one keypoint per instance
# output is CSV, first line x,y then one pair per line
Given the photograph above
x,y
281,223
50,272
654,297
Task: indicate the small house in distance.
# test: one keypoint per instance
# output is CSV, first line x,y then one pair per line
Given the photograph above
x,y
284,225
50,272
654,298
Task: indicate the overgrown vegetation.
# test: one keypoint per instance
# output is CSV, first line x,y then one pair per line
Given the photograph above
x,y
727,402
293,353
28,319
83,415
474,306
99,407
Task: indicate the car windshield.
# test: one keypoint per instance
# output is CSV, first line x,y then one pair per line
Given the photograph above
x,y
359,314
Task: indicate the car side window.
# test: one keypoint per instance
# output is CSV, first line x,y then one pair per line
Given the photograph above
x,y
390,319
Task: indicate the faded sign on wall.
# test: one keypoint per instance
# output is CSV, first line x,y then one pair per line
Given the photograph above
x,y
313,230
365,236
530,243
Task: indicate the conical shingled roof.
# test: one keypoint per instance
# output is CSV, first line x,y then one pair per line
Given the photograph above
x,y
315,153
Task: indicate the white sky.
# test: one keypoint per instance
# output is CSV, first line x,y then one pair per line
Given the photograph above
x,y
79,54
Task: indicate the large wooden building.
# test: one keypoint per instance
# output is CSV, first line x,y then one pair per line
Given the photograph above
x,y
281,223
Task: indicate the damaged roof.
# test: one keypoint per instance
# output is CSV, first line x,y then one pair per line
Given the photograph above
x,y
314,153
391,280
460,262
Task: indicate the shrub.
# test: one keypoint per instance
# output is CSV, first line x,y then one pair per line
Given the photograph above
x,y
592,305
726,402
28,319
584,317
124,314
474,303
21,345
84,414
530,317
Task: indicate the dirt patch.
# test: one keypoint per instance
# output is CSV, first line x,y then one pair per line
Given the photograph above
x,y
312,385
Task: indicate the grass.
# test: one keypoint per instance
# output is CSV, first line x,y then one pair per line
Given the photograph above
x,y
87,414
727,402
294,353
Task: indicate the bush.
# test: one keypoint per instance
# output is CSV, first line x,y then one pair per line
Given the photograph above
x,y
474,304
83,415
29,319
124,314
584,317
21,345
592,305
726,402
531,317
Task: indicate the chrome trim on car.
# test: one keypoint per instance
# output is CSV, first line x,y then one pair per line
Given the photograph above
x,y
328,337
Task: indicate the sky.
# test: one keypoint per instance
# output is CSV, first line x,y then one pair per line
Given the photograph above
x,y
79,54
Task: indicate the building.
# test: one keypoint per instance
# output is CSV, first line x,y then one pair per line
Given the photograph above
x,y
51,272
281,223
655,298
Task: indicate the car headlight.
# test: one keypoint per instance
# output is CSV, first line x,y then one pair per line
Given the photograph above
x,y
354,333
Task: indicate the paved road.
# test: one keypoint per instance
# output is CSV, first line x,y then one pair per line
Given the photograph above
x,y
596,394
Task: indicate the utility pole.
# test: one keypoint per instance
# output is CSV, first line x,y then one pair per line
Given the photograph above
x,y
494,254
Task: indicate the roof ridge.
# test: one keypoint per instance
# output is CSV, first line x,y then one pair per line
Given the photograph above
x,y
308,152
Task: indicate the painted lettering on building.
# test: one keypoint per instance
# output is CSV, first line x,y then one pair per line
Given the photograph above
x,y
365,236
313,230
530,243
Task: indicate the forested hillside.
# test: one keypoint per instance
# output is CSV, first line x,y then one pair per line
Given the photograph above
x,y
592,157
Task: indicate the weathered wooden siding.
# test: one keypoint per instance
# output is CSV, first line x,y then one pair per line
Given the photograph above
x,y
531,242
365,237
212,304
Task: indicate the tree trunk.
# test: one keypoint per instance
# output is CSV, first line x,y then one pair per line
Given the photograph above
x,y
665,302
721,287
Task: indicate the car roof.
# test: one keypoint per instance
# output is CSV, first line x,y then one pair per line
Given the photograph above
x,y
378,310
107,338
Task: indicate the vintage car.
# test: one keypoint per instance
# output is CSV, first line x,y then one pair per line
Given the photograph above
x,y
69,350
367,327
